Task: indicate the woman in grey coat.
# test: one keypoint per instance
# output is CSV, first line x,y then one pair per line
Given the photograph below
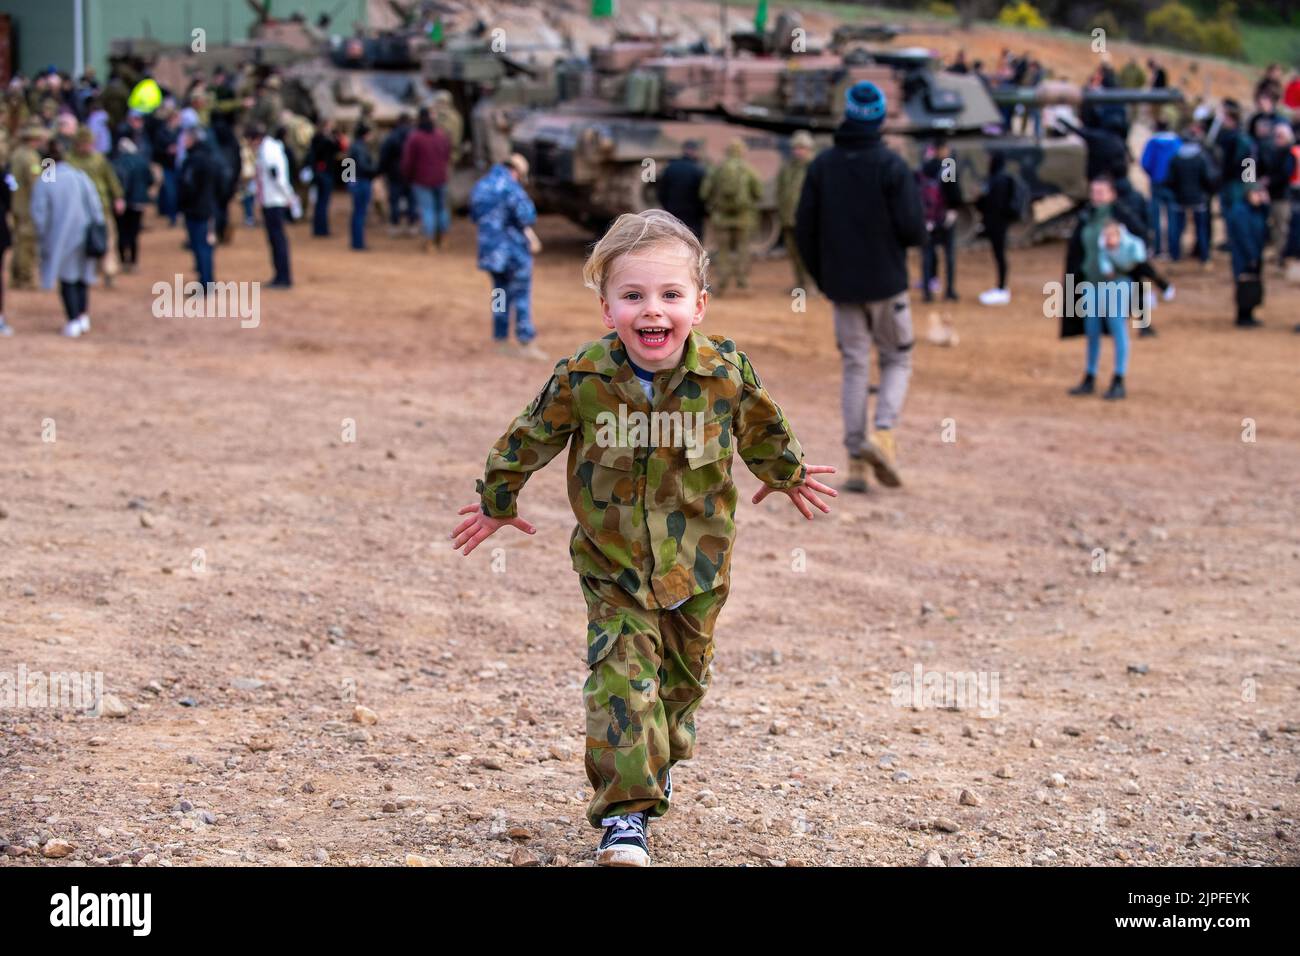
x,y
63,207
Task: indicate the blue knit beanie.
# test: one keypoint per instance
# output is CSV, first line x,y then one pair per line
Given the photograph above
x,y
865,102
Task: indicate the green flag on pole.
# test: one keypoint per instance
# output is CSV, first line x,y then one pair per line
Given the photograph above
x,y
602,8
760,17
435,31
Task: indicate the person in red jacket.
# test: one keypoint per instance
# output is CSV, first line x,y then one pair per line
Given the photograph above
x,y
425,158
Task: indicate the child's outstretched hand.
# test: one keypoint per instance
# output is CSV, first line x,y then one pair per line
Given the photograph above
x,y
477,528
802,494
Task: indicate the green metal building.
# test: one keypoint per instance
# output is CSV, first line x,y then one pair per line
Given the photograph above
x,y
72,34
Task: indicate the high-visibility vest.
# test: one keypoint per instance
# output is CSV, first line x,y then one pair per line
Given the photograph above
x,y
146,97
1295,173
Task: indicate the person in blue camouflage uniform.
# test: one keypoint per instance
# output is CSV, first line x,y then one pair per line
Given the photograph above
x,y
504,215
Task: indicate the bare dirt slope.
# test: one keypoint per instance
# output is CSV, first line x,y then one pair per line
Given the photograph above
x,y
1162,691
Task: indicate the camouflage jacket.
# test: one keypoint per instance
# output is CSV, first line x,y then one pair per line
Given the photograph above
x,y
502,210
732,192
789,186
654,517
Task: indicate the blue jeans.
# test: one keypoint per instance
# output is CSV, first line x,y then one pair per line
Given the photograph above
x,y
512,289
399,198
1112,307
939,238
1161,206
1178,219
197,230
361,190
320,223
435,217
168,196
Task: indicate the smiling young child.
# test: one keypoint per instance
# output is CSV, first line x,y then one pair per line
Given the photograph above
x,y
655,518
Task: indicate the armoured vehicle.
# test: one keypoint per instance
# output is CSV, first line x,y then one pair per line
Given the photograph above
x,y
631,107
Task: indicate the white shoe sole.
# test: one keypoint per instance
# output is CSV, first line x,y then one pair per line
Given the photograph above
x,y
622,856
72,330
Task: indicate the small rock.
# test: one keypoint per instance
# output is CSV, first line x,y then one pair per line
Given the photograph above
x,y
146,520
1035,743
1071,731
1131,787
364,715
969,798
206,816
946,825
932,858
778,727
320,855
260,743
279,844
359,736
901,776
519,833
247,683
523,857
1139,668
56,849
29,592
1056,781
110,705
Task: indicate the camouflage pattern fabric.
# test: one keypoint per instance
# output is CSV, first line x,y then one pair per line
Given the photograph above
x,y
732,193
649,673
25,166
501,209
657,521
731,258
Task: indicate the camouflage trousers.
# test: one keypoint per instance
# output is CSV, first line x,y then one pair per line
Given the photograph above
x,y
732,257
649,672
796,260
22,268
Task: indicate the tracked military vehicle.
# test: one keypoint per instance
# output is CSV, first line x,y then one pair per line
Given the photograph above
x,y
632,106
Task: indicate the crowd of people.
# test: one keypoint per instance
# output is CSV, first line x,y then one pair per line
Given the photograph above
x,y
191,155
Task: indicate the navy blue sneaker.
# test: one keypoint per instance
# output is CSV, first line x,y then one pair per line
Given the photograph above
x,y
624,842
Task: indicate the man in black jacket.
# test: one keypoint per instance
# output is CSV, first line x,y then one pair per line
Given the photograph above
x,y
197,196
859,211
678,188
390,167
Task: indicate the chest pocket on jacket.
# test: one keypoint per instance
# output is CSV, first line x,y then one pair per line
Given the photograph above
x,y
709,471
608,473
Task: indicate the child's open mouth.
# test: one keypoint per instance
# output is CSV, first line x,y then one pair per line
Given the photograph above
x,y
652,338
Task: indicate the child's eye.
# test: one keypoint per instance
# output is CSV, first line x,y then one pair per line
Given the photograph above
x,y
673,294
632,295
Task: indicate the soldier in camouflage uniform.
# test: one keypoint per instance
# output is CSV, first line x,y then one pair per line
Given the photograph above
x,y
789,185
732,193
655,515
25,167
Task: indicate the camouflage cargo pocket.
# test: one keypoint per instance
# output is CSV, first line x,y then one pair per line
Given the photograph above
x,y
709,471
622,690
608,474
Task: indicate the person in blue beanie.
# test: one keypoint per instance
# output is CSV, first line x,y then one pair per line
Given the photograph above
x,y
859,211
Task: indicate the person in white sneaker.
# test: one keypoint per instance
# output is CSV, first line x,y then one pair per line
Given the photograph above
x,y
64,205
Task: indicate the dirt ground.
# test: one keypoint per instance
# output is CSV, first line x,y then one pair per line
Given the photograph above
x,y
1145,714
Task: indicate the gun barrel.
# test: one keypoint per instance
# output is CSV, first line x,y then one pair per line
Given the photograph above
x,y
1052,93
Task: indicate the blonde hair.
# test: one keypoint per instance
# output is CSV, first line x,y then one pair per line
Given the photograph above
x,y
642,230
